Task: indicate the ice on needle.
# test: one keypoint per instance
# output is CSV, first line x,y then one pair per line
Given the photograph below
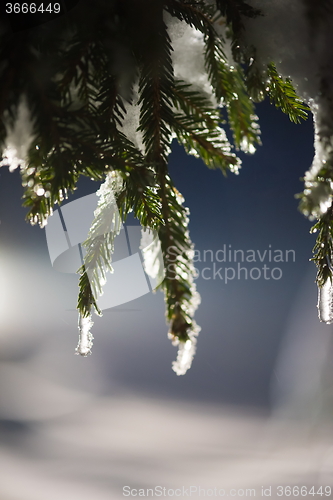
x,y
325,302
185,356
85,337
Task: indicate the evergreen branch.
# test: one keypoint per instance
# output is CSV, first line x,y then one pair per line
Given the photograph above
x,y
255,82
57,174
155,89
180,295
217,66
241,112
201,135
113,207
283,94
197,14
323,249
234,11
71,140
74,142
211,145
99,244
144,202
194,103
86,298
227,81
229,88
76,85
111,109
156,97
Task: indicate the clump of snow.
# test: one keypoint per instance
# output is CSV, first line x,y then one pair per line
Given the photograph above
x,y
107,209
130,123
19,138
188,55
106,216
189,65
282,35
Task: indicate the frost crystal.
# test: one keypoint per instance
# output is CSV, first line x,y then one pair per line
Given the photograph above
x,y
85,337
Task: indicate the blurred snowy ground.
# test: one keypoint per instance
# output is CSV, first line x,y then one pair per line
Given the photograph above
x,y
109,443
71,429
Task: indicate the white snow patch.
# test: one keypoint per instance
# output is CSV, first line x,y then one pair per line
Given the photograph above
x,y
131,120
188,55
151,250
19,138
282,35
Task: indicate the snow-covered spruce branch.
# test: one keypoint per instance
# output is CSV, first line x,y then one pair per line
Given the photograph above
x,y
116,98
117,197
323,258
156,124
307,61
99,247
181,296
282,93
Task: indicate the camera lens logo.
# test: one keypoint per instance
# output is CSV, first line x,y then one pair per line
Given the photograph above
x,y
136,268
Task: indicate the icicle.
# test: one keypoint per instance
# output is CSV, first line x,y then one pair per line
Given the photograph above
x,y
85,337
325,302
185,356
